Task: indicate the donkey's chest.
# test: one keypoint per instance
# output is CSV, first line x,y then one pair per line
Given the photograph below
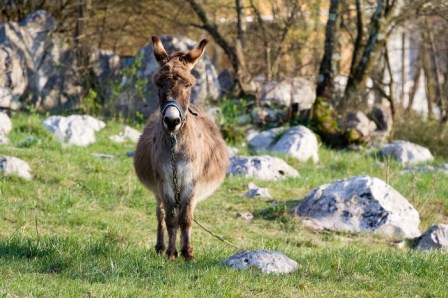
x,y
179,173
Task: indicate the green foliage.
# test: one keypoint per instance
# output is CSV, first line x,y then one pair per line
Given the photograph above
x,y
86,227
233,132
90,103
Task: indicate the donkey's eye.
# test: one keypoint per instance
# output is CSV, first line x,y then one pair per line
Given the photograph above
x,y
187,85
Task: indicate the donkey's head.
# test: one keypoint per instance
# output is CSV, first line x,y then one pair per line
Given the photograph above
x,y
174,82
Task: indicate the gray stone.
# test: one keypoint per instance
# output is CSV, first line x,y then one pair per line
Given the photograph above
x,y
361,204
13,79
128,133
261,115
245,215
261,167
255,191
264,260
407,152
435,238
4,140
300,143
75,129
13,166
104,156
47,63
130,153
263,141
5,124
358,121
287,92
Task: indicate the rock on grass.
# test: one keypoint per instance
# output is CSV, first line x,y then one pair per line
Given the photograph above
x,y
261,167
360,204
13,166
264,260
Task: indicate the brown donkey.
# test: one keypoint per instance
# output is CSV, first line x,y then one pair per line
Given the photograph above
x,y
181,156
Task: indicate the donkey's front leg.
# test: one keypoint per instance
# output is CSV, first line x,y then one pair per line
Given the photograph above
x,y
185,221
172,225
160,245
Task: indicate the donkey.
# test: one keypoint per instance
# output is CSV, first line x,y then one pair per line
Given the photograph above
x,y
181,156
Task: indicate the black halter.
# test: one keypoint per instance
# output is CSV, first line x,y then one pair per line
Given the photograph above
x,y
174,103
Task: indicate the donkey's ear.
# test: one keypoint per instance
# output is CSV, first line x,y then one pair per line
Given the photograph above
x,y
193,56
159,51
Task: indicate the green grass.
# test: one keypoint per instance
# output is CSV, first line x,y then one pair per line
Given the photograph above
x,y
86,227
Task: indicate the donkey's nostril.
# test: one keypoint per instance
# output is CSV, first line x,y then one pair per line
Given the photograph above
x,y
171,123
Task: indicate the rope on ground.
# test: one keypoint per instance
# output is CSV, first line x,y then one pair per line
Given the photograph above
x,y
216,236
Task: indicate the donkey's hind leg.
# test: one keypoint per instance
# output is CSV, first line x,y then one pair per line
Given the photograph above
x,y
160,245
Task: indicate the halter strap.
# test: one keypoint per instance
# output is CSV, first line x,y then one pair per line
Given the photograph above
x,y
174,103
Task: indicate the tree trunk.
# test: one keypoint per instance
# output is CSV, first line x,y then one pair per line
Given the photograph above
x,y
235,55
416,80
372,49
325,80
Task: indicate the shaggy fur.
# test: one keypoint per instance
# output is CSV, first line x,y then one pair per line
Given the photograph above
x,y
201,153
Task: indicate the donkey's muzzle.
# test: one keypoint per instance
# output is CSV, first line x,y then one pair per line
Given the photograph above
x,y
171,123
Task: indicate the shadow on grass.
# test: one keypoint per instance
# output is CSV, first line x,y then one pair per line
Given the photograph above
x,y
277,211
99,261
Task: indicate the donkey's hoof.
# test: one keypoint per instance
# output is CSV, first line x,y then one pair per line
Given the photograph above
x,y
172,254
160,249
188,254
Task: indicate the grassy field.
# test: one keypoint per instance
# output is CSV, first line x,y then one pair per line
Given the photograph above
x,y
85,227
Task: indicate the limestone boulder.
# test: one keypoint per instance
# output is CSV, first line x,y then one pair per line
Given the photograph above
x,y
76,130
300,143
263,260
287,92
359,127
358,205
256,192
5,124
261,167
263,141
13,79
406,152
128,133
13,166
435,238
42,62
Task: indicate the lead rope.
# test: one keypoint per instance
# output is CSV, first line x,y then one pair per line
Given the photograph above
x,y
173,143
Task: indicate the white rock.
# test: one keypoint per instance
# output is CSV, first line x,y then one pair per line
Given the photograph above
x,y
261,167
300,143
289,91
75,129
4,140
5,124
13,166
266,261
245,215
264,140
361,204
436,237
128,134
255,191
359,121
407,152
103,156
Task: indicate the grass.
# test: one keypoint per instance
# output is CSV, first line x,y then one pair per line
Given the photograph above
x,y
85,227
